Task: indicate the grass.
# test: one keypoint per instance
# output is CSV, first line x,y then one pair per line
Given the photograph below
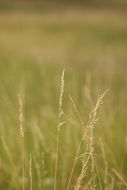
x,y
60,124
34,49
22,138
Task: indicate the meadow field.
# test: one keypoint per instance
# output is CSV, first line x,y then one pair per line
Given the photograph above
x,y
56,70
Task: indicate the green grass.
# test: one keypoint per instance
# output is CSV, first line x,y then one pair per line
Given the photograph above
x,y
34,49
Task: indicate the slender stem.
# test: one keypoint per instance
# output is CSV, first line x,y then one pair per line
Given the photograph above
x,y
60,123
22,162
73,167
21,137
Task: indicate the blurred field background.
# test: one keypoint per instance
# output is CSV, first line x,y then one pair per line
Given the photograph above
x,y
37,41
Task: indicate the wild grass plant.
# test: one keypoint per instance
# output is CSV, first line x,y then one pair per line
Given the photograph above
x,y
87,136
77,158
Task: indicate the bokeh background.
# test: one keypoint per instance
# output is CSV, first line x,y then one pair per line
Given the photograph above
x,y
38,39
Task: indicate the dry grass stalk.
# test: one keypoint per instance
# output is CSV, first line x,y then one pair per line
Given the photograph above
x,y
61,94
111,186
76,111
60,123
21,137
79,147
83,172
31,187
88,184
88,133
74,163
21,116
120,177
